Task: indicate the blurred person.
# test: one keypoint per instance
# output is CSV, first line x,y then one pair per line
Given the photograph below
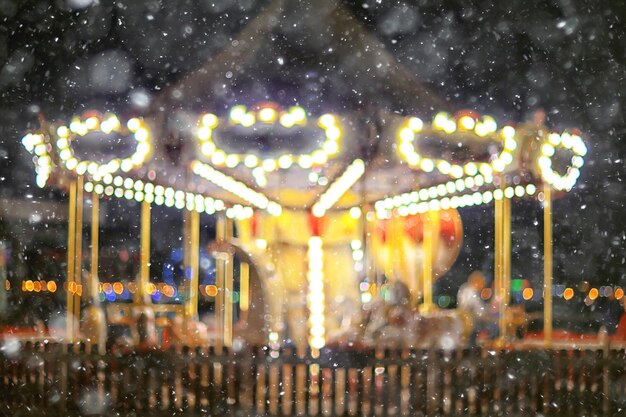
x,y
470,302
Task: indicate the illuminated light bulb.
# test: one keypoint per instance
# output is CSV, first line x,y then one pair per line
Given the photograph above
x,y
510,144
62,143
133,124
88,187
408,150
460,185
467,122
577,161
267,115
63,132
259,176
487,197
554,139
547,149
481,129
237,114
269,165
508,132
506,158
250,161
490,124
305,161
407,135
331,147
207,148
450,127
456,171
298,114
333,133
218,158
486,170
440,121
141,135
471,169
450,187
285,161
498,165
531,189
71,163
204,133
566,140
126,165
319,158
287,120
444,167
416,124
128,183
427,165
210,120
248,120
412,158
544,162
65,154
469,182
81,168
232,161
509,192
327,121
519,191
498,194
403,211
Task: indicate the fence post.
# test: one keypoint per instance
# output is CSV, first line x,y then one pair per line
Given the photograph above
x,y
605,341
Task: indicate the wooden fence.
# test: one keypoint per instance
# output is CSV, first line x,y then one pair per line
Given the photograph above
x,y
60,380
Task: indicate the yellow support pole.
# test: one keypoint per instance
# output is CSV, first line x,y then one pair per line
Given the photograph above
x,y
95,232
219,283
505,262
244,287
78,251
144,274
431,222
193,230
547,264
228,290
71,244
498,226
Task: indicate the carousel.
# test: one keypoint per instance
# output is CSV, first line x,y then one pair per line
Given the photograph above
x,y
332,222
317,227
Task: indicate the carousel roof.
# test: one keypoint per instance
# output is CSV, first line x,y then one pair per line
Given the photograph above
x,y
245,132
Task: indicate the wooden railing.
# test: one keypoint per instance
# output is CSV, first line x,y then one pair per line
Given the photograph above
x,y
60,380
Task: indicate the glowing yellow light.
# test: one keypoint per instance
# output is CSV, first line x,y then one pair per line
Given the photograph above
x,y
593,293
267,115
285,161
355,212
568,293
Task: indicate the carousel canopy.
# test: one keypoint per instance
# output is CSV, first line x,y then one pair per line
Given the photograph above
x,y
374,138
